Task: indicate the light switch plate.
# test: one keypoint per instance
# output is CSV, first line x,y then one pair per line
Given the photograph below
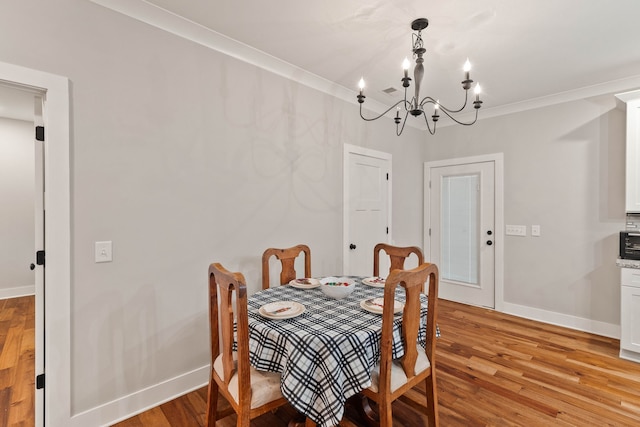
x,y
104,252
535,230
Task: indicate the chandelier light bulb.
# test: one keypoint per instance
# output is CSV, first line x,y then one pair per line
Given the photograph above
x,y
477,91
436,107
361,85
466,68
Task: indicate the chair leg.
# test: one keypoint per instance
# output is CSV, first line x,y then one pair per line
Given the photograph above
x,y
243,419
365,410
385,414
432,400
212,404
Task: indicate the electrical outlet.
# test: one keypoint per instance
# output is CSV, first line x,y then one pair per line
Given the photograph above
x,y
516,230
103,252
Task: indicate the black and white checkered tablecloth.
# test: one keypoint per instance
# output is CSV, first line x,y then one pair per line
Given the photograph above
x,y
325,354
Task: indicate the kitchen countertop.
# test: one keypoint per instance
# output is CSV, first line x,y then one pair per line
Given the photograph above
x,y
628,263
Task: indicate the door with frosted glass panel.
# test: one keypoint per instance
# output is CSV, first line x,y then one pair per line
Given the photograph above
x,y
462,231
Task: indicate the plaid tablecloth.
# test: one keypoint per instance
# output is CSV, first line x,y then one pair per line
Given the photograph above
x,y
326,354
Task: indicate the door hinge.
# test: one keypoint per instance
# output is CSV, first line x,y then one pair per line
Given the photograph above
x,y
429,232
387,177
39,133
387,230
40,382
40,257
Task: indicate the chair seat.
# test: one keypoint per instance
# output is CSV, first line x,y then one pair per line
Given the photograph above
x,y
398,377
265,386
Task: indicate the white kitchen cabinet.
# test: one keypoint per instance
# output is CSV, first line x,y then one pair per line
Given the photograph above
x,y
632,193
630,314
633,157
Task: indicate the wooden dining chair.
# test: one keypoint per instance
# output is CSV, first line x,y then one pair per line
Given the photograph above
x,y
396,254
391,379
249,392
287,258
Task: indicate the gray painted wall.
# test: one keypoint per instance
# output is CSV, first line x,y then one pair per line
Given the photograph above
x,y
17,236
564,170
183,156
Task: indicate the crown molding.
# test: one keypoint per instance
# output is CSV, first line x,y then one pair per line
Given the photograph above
x,y
182,27
614,86
168,21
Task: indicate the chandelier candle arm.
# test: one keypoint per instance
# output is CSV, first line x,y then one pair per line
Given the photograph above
x,y
415,106
381,114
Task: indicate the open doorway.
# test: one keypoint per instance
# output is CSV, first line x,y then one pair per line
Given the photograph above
x,y
22,236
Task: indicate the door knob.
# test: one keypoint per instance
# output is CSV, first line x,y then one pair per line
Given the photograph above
x,y
32,266
489,233
489,242
352,246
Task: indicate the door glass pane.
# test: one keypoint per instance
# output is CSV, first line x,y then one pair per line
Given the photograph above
x,y
460,208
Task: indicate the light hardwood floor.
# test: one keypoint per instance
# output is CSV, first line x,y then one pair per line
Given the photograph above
x,y
493,370
17,361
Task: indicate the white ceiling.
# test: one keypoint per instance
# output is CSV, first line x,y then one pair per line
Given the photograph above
x,y
521,50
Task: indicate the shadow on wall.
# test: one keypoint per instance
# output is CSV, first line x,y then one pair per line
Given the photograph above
x,y
610,137
129,351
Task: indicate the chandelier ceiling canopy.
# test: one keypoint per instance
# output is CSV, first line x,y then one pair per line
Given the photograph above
x,y
416,106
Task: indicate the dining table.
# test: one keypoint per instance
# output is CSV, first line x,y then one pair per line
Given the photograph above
x,y
325,348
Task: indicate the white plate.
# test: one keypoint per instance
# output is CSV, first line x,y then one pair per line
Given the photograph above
x,y
293,309
305,283
376,282
377,304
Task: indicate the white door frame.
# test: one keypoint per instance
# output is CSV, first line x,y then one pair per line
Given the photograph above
x,y
57,333
354,149
498,160
39,243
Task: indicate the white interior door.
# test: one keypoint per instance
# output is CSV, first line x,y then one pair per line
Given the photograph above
x,y
367,195
462,230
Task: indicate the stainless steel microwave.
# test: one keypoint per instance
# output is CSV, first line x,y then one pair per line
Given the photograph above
x,y
630,245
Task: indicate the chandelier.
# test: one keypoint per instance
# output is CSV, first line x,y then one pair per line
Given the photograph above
x,y
416,106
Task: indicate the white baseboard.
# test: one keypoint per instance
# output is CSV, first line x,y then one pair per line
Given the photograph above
x,y
19,291
579,323
142,400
